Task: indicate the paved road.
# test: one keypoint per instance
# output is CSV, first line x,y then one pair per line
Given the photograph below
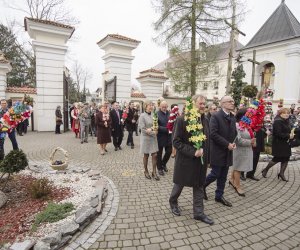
x,y
267,218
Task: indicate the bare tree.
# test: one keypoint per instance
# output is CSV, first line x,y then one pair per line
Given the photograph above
x,y
81,77
183,23
53,10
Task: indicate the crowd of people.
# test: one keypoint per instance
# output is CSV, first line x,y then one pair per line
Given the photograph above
x,y
165,133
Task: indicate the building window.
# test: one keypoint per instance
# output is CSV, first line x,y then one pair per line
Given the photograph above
x,y
216,70
216,84
204,85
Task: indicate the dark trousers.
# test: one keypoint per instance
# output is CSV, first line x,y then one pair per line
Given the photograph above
x,y
57,129
117,141
12,137
163,160
198,195
1,149
255,162
130,137
218,173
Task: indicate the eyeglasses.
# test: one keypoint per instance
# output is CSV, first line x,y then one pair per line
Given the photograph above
x,y
232,101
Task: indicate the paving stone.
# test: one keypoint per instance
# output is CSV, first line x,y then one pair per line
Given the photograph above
x,y
268,215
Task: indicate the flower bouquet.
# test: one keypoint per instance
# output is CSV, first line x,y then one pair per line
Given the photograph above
x,y
155,121
194,127
173,115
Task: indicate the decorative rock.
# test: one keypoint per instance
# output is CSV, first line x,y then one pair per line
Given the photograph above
x,y
100,207
3,199
94,202
25,245
99,183
53,239
63,242
95,178
84,213
40,245
84,170
52,171
94,173
81,170
69,228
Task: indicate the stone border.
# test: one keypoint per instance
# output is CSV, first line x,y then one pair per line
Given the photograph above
x,y
102,204
100,224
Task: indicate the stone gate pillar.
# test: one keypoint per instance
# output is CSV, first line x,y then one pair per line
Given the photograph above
x,y
49,39
5,67
118,62
152,83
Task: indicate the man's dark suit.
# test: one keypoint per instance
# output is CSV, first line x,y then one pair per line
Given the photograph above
x,y
222,132
164,139
116,127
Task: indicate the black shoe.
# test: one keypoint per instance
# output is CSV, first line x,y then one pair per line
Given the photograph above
x,y
223,201
116,149
105,150
165,168
175,210
252,177
205,194
120,148
128,144
132,146
204,218
243,178
82,142
161,172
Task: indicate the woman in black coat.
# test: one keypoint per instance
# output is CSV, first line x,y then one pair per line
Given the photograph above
x,y
281,149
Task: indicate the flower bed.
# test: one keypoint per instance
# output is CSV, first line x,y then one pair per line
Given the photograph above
x,y
17,216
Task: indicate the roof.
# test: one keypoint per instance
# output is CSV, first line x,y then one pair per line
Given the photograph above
x,y
61,25
219,51
119,37
152,76
281,25
152,71
24,90
138,95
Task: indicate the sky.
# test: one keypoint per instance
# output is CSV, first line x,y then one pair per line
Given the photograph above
x,y
134,19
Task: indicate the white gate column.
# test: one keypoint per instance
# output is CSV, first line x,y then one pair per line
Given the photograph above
x,y
5,67
49,39
118,59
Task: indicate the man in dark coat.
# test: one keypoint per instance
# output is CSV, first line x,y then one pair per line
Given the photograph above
x,y
164,138
130,123
222,135
117,125
189,170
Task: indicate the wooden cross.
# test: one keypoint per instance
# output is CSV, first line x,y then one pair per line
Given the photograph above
x,y
231,49
253,61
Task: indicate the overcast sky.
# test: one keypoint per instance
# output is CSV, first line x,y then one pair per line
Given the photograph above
x,y
134,18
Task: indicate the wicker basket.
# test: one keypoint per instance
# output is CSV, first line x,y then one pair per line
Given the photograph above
x,y
64,164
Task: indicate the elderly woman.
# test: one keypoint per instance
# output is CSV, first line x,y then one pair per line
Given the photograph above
x,y
103,123
281,148
148,139
58,118
242,155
